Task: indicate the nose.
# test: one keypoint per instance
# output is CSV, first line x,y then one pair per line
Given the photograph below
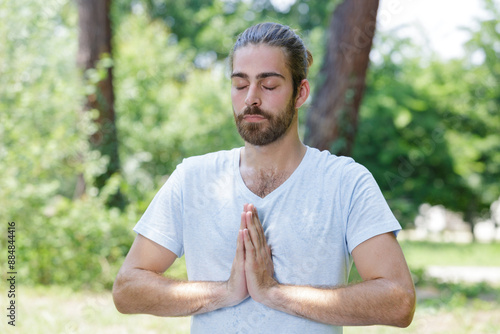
x,y
253,96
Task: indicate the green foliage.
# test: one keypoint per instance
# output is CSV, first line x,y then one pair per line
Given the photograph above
x,y
439,142
440,139
477,126
44,147
34,92
208,27
78,243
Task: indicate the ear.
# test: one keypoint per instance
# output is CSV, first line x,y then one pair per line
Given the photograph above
x,y
302,93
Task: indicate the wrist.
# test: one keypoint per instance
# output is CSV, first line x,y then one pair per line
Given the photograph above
x,y
269,294
228,296
276,297
225,298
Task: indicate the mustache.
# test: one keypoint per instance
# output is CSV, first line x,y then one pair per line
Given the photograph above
x,y
254,110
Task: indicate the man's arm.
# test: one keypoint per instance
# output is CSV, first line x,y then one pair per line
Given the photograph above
x,y
140,286
386,295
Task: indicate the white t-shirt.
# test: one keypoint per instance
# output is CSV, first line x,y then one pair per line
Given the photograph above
x,y
312,222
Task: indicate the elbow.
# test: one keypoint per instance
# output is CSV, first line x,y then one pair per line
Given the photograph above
x,y
120,299
405,307
120,305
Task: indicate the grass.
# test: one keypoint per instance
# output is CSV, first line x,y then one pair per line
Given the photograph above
x,y
422,254
442,308
463,320
61,310
446,307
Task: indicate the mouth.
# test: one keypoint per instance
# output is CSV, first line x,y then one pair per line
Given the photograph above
x,y
254,118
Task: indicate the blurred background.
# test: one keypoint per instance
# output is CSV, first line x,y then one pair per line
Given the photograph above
x,y
100,100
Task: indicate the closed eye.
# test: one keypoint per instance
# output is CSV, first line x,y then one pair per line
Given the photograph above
x,y
269,88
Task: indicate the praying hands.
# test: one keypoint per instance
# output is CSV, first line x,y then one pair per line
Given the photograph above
x,y
253,270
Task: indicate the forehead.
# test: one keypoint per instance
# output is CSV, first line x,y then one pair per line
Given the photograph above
x,y
255,59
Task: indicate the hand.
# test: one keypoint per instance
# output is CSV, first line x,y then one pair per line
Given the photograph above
x,y
236,284
259,268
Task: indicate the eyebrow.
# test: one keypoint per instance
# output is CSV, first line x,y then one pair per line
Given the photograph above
x,y
259,76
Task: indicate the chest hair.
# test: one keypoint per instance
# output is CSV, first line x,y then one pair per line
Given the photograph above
x,y
263,182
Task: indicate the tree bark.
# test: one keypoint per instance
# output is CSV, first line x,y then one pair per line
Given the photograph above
x,y
94,43
333,117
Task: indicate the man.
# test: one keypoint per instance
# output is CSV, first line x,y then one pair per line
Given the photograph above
x,y
269,230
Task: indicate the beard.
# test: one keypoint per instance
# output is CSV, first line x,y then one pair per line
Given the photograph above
x,y
264,133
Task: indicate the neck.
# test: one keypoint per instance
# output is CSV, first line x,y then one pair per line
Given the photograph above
x,y
284,154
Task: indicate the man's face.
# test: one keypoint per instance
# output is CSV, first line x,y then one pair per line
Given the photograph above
x,y
261,92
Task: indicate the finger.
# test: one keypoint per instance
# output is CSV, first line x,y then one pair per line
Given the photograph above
x,y
269,251
243,223
252,230
255,214
260,231
240,246
258,223
258,227
254,210
247,241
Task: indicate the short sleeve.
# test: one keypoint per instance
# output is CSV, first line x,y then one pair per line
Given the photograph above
x,y
162,221
366,212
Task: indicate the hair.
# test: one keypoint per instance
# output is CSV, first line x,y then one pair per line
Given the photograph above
x,y
298,58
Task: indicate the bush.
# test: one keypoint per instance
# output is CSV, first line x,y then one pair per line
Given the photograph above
x,y
78,243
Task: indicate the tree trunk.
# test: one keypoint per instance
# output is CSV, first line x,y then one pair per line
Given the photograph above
x,y
94,44
332,120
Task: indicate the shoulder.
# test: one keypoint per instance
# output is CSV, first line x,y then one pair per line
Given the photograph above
x,y
341,166
210,162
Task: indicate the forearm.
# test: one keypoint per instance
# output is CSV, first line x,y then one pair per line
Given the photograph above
x,y
142,291
378,301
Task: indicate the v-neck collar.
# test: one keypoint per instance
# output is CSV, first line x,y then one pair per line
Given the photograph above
x,y
254,198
